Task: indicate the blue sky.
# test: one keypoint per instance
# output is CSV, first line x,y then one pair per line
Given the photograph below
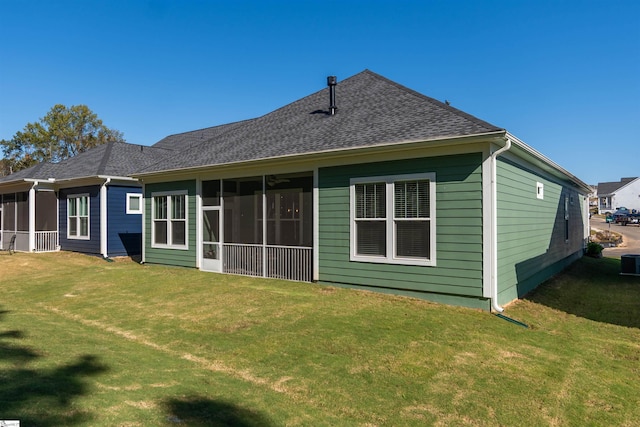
x,y
563,76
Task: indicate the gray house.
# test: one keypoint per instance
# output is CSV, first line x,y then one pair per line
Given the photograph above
x,y
87,203
367,184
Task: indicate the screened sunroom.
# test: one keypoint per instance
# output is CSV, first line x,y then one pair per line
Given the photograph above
x,y
32,217
258,226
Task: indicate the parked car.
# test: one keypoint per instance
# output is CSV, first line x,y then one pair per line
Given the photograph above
x,y
625,216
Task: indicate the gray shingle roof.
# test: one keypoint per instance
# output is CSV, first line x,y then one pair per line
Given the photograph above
x,y
612,187
372,110
42,170
183,141
110,159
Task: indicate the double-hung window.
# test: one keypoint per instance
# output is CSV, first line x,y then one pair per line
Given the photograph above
x,y
393,219
169,221
78,216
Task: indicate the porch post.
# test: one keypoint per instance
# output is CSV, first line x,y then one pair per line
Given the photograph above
x,y
316,227
103,218
264,226
32,217
144,220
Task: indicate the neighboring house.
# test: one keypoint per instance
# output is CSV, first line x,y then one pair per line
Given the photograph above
x,y
86,203
385,190
614,195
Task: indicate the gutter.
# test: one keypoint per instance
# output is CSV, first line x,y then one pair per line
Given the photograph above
x,y
552,166
327,154
494,225
94,177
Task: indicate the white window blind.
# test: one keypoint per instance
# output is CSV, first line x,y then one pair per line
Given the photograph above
x,y
170,220
370,218
393,219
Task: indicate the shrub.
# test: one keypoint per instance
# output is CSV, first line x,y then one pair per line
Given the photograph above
x,y
594,249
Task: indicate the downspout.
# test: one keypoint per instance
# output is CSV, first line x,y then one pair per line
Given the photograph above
x,y
494,225
103,218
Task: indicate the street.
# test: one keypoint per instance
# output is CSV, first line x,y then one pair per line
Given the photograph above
x,y
630,237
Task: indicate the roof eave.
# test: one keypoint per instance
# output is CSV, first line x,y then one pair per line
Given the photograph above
x,y
15,185
625,185
551,165
96,177
461,139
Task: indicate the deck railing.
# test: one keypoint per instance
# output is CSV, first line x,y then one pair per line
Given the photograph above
x,y
289,262
242,259
281,262
47,241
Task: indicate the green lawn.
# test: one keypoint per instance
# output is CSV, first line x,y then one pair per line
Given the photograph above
x,y
90,343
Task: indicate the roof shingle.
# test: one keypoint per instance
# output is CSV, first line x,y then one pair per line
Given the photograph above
x,y
372,110
612,187
110,159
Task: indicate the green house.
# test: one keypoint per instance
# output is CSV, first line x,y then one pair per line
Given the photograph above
x,y
371,185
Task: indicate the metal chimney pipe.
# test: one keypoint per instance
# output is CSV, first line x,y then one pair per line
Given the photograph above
x,y
331,82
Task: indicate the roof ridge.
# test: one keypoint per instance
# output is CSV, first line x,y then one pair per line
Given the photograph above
x,y
205,128
626,181
375,109
144,147
431,100
105,158
207,141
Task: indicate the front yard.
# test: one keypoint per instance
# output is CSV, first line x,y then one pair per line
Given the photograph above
x,y
90,343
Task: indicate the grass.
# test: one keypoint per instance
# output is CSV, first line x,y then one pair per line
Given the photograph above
x,y
89,343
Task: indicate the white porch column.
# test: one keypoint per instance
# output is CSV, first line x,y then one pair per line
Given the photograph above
x,y
316,226
144,220
32,217
103,218
264,226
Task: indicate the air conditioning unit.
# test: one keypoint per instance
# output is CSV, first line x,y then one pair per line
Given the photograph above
x,y
630,264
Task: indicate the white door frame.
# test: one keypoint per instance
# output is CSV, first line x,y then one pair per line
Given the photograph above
x,y
208,264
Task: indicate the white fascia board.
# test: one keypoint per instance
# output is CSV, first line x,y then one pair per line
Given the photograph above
x,y
626,185
97,177
118,178
322,155
94,180
552,166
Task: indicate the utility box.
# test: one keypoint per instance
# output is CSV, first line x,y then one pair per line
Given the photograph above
x,y
630,264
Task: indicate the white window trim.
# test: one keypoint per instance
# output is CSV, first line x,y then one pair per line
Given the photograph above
x,y
136,196
391,258
76,197
567,229
169,245
540,190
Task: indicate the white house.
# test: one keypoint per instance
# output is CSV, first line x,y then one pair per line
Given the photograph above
x,y
614,195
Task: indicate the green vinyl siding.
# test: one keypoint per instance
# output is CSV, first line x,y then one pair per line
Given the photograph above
x,y
177,257
531,231
458,270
